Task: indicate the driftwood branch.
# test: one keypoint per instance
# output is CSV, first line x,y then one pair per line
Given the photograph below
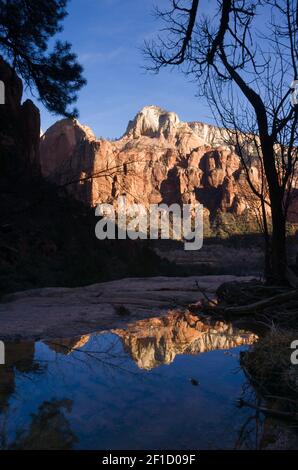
x,y
202,291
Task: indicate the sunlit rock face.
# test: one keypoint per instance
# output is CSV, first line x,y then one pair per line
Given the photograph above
x,y
158,159
152,121
155,341
59,144
211,135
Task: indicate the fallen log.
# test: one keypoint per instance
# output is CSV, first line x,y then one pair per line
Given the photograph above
x,y
269,302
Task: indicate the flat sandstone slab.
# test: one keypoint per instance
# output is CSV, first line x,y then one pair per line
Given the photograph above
x,y
65,312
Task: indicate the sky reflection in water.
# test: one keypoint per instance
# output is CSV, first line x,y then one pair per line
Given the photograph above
x,y
129,389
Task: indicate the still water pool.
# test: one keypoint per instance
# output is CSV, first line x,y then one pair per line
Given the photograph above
x,y
161,383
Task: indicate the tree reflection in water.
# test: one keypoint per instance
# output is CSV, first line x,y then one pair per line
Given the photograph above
x,y
18,357
49,428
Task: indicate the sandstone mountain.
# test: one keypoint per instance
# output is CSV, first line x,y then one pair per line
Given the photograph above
x,y
158,159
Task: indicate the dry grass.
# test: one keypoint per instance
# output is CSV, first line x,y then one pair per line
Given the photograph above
x,y
268,365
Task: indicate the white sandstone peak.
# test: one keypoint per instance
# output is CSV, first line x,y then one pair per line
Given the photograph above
x,y
152,121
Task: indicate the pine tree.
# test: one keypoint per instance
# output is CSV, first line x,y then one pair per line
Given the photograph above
x,y
26,26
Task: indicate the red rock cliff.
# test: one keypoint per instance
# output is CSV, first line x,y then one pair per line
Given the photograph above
x,y
158,159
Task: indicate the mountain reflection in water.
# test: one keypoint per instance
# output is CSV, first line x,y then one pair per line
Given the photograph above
x,y
155,341
127,388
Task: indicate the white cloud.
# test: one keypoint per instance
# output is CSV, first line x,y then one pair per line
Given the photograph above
x,y
91,58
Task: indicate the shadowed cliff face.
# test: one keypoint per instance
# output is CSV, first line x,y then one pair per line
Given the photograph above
x,y
158,159
19,129
157,341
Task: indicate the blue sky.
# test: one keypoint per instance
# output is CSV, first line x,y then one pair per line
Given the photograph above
x,y
108,35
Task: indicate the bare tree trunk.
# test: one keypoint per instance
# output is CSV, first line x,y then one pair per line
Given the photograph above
x,y
267,268
278,241
279,254
228,52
